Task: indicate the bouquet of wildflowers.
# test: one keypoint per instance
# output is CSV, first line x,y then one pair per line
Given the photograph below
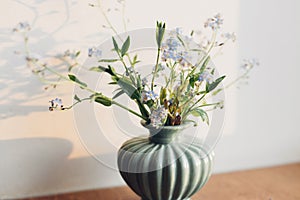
x,y
188,77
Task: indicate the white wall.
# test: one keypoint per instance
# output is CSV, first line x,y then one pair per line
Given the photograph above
x,y
41,152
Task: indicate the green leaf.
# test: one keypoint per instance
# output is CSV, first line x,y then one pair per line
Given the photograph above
x,y
125,46
189,120
160,31
115,45
142,108
135,59
217,91
118,94
181,41
192,33
108,60
100,98
77,54
193,79
110,70
133,93
200,113
98,69
204,65
75,79
163,95
139,82
128,88
77,98
113,83
213,85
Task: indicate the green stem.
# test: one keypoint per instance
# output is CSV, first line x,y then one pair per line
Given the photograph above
x,y
126,69
129,110
210,104
190,108
213,39
74,104
156,68
67,79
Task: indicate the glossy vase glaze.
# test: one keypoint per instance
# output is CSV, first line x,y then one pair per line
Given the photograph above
x,y
164,167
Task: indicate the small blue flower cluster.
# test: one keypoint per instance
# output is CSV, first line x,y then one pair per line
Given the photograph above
x,y
94,52
215,22
158,116
56,104
205,76
149,95
170,49
22,27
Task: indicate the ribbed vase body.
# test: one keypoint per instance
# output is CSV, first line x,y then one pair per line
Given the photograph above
x,y
172,170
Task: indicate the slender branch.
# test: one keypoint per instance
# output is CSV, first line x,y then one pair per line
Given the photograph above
x,y
74,104
202,60
108,21
129,110
156,68
190,108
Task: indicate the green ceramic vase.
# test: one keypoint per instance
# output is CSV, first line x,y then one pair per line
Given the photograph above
x,y
163,166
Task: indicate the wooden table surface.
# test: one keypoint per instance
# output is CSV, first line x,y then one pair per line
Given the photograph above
x,y
275,183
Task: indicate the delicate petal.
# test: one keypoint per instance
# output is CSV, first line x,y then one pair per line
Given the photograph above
x,y
229,36
215,22
149,95
249,63
94,52
22,27
71,54
205,76
158,116
56,104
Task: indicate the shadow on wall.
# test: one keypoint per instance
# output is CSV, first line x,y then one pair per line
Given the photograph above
x,y
42,167
18,86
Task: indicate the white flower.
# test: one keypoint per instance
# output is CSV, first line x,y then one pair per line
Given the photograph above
x,y
215,22
158,116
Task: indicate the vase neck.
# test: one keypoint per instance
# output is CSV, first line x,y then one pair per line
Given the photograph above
x,y
163,136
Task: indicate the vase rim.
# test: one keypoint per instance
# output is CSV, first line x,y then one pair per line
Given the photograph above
x,y
185,124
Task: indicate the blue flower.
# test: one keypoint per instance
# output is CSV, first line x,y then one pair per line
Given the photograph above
x,y
22,27
158,116
215,22
171,44
144,81
56,104
94,52
205,76
149,95
129,71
